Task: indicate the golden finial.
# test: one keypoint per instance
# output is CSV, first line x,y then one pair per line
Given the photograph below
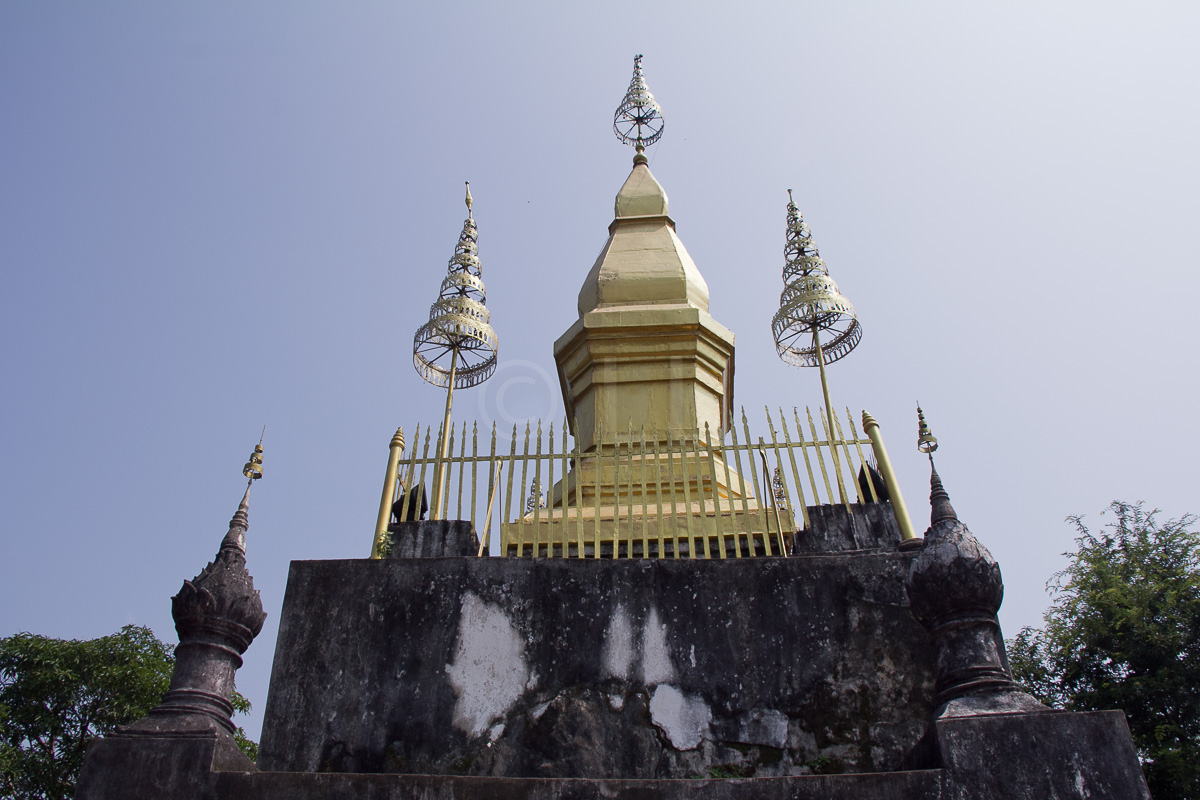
x,y
236,538
926,441
253,468
470,201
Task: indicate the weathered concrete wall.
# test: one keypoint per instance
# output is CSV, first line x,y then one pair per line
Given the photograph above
x,y
598,668
1046,756
432,539
831,529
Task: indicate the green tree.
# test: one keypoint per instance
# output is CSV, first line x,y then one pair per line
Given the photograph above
x,y
57,695
1123,632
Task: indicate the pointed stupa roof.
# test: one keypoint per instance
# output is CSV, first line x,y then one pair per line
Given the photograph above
x,y
939,500
235,539
644,262
641,196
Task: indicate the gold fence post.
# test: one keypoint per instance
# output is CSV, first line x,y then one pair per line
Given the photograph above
x,y
396,450
871,428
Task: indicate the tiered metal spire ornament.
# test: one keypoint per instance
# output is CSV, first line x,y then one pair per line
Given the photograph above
x,y
457,347
926,441
639,119
811,307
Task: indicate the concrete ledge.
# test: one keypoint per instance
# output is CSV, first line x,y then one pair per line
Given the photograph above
x,y
924,785
164,767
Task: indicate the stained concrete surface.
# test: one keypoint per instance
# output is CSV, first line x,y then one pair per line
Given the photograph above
x,y
598,668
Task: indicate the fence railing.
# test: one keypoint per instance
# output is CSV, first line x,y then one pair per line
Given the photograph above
x,y
641,493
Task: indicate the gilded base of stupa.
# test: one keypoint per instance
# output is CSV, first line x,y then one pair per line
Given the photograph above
x,y
650,506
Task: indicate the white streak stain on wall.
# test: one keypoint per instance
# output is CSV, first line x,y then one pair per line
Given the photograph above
x,y
489,672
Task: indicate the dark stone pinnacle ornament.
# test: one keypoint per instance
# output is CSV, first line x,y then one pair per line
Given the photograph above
x,y
217,615
954,588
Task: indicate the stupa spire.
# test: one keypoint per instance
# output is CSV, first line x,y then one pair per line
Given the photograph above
x,y
457,347
639,119
926,441
811,307
217,615
644,353
639,122
253,470
939,498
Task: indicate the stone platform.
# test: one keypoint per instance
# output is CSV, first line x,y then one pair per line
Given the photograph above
x,y
598,667
452,676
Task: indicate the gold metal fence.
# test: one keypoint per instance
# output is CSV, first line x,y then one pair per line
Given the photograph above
x,y
679,493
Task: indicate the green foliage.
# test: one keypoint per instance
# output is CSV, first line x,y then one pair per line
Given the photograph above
x,y
1124,632
57,695
385,546
724,771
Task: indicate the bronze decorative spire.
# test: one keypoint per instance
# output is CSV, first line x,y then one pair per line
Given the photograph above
x,y
236,538
926,441
812,307
939,499
457,347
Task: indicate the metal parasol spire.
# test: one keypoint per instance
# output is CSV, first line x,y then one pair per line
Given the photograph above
x,y
639,120
811,308
926,441
457,347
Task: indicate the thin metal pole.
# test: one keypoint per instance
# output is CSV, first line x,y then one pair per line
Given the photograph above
x,y
837,467
439,470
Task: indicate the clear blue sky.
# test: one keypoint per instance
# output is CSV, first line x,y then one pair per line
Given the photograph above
x,y
215,216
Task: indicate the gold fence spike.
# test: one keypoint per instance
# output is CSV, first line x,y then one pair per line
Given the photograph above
x,y
716,495
751,546
812,427
862,463
762,512
658,495
506,519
